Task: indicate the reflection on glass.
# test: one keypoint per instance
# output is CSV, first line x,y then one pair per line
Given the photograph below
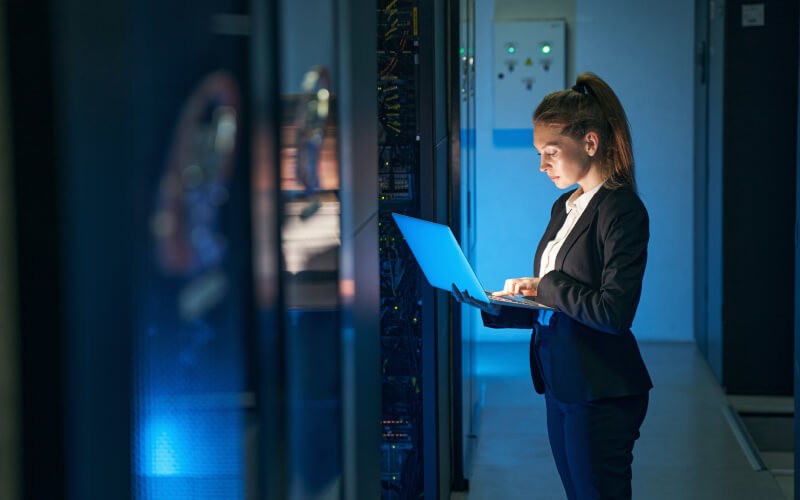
x,y
310,241
188,417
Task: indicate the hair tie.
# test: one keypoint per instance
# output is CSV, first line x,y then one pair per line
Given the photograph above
x,y
581,87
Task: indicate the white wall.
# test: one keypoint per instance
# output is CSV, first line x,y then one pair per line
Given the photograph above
x,y
645,51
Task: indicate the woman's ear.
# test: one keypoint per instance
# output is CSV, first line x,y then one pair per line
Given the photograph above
x,y
591,143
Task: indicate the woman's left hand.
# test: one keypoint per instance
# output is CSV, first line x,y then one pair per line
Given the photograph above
x,y
464,298
520,286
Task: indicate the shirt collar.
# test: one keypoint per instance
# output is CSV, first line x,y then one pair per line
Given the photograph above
x,y
580,200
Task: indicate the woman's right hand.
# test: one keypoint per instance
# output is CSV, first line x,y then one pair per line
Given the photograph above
x,y
464,298
520,286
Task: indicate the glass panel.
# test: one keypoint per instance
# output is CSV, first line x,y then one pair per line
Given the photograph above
x,y
471,392
192,284
467,79
311,242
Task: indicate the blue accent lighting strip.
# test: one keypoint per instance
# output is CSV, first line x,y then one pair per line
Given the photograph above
x,y
512,137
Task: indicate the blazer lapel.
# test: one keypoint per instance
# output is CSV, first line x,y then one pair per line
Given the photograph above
x,y
549,233
580,226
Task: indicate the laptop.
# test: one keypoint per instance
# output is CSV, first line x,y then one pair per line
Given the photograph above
x,y
443,263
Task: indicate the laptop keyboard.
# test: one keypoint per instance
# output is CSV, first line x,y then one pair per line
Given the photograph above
x,y
507,298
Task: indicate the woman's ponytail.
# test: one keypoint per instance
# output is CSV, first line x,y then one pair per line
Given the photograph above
x,y
592,105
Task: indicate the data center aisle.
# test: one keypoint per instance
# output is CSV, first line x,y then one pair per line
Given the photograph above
x,y
687,448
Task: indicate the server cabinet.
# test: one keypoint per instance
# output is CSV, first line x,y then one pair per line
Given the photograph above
x,y
747,307
414,74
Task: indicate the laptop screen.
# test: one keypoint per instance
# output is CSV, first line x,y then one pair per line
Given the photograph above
x,y
439,255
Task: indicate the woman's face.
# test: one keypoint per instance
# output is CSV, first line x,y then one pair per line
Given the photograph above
x,y
566,161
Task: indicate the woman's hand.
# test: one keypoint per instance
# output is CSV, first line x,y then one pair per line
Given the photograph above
x,y
464,298
520,286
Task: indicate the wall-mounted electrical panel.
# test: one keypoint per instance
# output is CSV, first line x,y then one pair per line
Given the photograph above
x,y
529,62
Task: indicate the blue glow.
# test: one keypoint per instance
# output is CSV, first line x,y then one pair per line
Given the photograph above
x,y
165,456
187,444
161,451
195,442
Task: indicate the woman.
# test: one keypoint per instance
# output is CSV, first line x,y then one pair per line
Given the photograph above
x,y
589,267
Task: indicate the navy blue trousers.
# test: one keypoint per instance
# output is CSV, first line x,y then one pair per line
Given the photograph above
x,y
592,443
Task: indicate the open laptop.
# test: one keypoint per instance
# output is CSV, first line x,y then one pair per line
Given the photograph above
x,y
443,263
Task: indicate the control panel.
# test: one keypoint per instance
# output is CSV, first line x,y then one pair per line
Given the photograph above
x,y
529,62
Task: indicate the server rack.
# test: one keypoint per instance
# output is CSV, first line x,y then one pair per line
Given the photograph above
x,y
730,230
414,80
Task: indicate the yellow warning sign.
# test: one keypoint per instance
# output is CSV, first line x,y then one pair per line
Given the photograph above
x,y
528,62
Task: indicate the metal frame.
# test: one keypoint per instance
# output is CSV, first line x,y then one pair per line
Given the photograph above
x,y
435,205
453,17
10,386
797,299
359,282
267,476
701,175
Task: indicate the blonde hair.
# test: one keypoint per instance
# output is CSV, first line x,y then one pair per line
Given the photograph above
x,y
591,105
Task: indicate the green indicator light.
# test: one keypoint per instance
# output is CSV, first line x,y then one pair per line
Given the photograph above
x,y
546,48
511,49
461,51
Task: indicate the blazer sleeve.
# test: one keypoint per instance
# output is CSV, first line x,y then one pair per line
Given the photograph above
x,y
623,230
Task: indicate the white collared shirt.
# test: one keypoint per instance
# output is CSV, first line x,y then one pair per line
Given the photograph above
x,y
576,204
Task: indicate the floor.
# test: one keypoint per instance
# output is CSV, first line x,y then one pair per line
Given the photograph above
x,y
688,449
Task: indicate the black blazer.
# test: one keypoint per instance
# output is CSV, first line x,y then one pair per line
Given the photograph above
x,y
595,288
